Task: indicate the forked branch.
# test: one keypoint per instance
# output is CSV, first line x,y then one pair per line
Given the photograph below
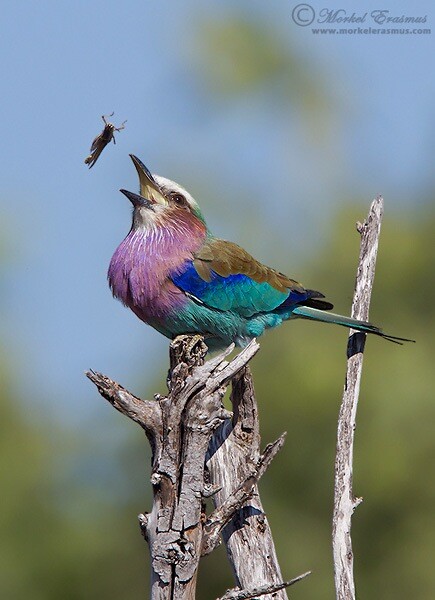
x,y
180,428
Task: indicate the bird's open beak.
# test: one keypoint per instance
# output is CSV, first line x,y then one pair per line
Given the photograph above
x,y
149,189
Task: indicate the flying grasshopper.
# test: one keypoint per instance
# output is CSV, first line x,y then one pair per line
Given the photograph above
x,y
102,139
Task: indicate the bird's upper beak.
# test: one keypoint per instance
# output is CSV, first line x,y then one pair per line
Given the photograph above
x,y
150,192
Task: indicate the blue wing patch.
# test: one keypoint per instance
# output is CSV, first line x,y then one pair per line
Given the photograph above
x,y
238,293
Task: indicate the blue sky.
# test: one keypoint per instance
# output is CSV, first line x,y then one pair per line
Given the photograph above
x,y
64,64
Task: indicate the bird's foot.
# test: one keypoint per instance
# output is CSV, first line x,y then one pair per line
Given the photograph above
x,y
188,342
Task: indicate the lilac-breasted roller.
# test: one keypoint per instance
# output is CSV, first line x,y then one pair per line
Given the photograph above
x,y
177,277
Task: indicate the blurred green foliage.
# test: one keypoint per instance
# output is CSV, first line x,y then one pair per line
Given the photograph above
x,y
48,551
241,57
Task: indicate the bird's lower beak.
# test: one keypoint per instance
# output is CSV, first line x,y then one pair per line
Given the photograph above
x,y
137,200
149,188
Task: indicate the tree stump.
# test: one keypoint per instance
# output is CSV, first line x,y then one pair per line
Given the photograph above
x,y
199,450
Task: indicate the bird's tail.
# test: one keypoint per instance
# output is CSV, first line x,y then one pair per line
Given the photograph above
x,y
314,314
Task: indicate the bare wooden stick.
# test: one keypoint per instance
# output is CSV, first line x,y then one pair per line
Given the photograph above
x,y
143,412
247,537
236,594
344,500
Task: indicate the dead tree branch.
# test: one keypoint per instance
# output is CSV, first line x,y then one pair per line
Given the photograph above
x,y
234,448
180,428
236,594
344,500
221,515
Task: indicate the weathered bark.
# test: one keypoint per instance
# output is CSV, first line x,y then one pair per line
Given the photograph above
x,y
234,448
344,499
180,427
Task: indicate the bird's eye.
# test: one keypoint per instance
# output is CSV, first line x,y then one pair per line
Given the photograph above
x,y
179,199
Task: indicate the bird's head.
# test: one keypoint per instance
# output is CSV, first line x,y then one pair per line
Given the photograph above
x,y
160,201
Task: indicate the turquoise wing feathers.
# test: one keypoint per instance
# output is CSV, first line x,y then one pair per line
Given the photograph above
x,y
225,277
237,293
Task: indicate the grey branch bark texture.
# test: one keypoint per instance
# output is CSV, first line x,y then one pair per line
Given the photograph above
x,y
344,500
247,536
199,449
